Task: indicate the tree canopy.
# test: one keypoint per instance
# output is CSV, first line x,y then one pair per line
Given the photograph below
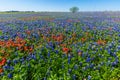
x,y
74,9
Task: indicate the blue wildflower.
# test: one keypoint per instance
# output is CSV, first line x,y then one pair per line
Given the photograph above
x,y
48,54
56,51
45,78
8,61
89,77
76,66
80,63
10,75
15,61
11,68
33,56
29,65
69,71
91,65
69,59
88,59
74,77
114,63
2,74
119,35
118,47
6,67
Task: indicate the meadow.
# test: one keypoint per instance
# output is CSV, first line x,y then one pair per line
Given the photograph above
x,y
60,46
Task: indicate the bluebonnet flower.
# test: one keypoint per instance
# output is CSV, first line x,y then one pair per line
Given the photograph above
x,y
41,56
118,47
112,68
28,58
109,58
48,54
29,65
88,59
99,66
2,74
50,44
11,68
80,63
87,66
119,35
75,66
33,56
14,35
74,77
63,66
63,55
114,63
6,38
57,43
89,77
56,51
1,37
109,51
45,78
91,65
6,67
102,63
116,60
69,71
15,61
83,55
88,55
101,49
8,61
10,75
110,46
119,41
83,68
92,58
16,48
47,46
22,59
94,68
94,52
113,54
69,59
96,49
50,60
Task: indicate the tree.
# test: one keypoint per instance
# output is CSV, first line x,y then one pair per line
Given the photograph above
x,y
74,9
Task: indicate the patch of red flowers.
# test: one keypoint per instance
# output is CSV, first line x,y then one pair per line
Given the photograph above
x,y
110,28
28,32
19,42
1,70
66,50
3,61
69,20
83,39
101,42
58,38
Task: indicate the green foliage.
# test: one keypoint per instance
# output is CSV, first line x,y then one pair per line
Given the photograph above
x,y
74,9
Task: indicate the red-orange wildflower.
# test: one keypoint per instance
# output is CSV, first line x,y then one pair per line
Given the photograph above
x,y
66,50
83,39
1,70
101,42
28,32
3,61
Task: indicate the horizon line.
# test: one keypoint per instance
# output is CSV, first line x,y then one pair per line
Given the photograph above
x,y
60,11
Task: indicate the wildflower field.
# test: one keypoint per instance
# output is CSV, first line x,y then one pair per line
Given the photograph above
x,y
60,46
